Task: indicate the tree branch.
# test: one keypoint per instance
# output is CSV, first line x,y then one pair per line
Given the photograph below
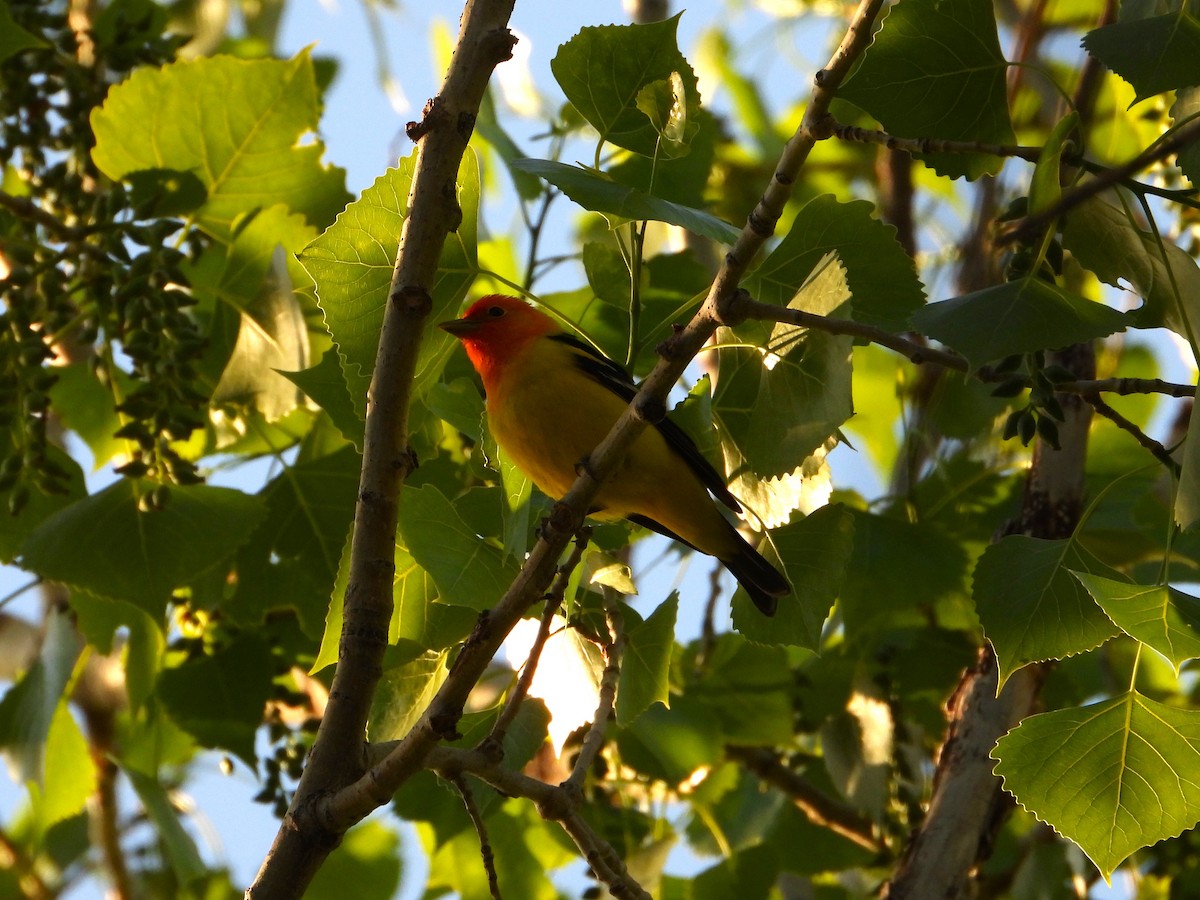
x,y
819,808
1157,450
485,848
1012,151
557,803
1027,228
494,742
308,833
594,740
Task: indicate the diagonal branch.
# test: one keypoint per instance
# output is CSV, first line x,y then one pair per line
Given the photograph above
x,y
1026,229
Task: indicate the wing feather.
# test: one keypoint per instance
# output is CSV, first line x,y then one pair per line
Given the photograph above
x,y
611,376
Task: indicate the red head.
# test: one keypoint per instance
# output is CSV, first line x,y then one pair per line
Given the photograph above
x,y
496,328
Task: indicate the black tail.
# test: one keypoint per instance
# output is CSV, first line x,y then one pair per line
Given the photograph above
x,y
762,581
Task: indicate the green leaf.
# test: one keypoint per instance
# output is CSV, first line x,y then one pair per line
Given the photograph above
x,y
1103,237
1187,496
14,38
1154,55
598,193
28,709
85,405
368,857
99,618
251,113
1032,607
325,385
468,571
935,70
934,564
1159,616
106,545
1185,108
352,263
746,688
258,325
748,875
646,663
780,403
403,695
1016,317
1044,187
218,698
814,552
665,104
602,71
181,850
291,559
881,277
70,770
1113,777
165,192
671,743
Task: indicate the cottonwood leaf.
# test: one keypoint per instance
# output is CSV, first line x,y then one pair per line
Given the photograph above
x,y
325,385
1113,777
98,618
467,570
595,191
181,851
779,403
28,709
1031,605
646,662
218,698
814,552
879,274
14,38
603,69
352,263
367,857
309,508
1016,317
403,694
252,114
935,70
1102,235
106,545
1154,54
1161,617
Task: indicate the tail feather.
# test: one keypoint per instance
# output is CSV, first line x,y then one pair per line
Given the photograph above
x,y
762,581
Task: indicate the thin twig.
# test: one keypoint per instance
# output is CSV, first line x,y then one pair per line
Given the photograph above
x,y
853,133
485,847
27,209
1157,450
594,739
1027,228
494,742
818,807
555,803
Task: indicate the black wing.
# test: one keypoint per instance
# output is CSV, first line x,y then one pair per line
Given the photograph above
x,y
607,373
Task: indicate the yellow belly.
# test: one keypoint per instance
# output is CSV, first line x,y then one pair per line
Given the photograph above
x,y
558,417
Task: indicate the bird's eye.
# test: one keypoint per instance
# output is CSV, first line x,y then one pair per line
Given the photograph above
x,y
495,311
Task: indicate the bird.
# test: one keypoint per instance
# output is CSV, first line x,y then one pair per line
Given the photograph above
x,y
551,399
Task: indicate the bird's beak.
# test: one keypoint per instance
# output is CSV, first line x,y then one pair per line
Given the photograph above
x,y
460,328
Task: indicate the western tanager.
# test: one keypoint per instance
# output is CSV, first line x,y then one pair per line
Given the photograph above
x,y
551,399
